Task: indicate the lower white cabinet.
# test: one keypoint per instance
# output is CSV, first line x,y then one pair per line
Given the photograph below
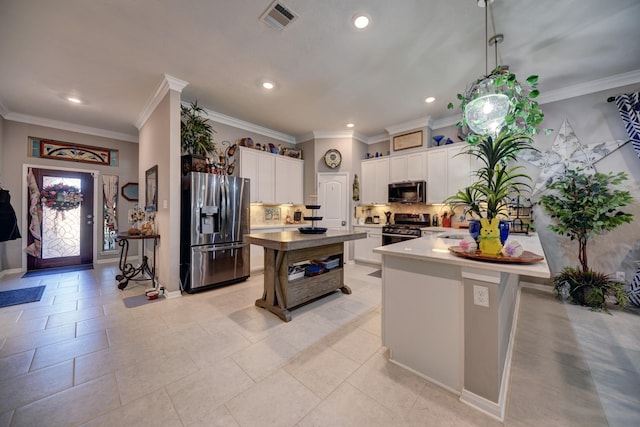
x,y
257,252
363,250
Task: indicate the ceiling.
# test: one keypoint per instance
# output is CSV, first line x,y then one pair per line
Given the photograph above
x,y
113,54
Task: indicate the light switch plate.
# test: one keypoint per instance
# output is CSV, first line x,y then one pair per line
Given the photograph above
x,y
481,296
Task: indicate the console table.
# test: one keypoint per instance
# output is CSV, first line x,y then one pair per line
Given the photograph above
x,y
127,269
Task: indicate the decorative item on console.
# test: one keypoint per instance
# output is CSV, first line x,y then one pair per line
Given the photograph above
x,y
136,216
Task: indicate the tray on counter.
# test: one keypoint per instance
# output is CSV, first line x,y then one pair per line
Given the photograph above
x,y
527,257
312,230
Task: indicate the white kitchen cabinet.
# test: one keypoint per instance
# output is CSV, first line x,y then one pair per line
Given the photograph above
x,y
289,180
260,169
408,167
256,252
374,181
437,175
363,250
447,172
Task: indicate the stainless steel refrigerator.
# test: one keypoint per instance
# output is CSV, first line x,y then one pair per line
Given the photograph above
x,y
214,219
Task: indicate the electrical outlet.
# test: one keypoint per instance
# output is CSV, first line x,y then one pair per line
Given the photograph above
x,y
481,296
620,276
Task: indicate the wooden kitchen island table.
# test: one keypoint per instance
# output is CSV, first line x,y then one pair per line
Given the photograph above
x,y
286,248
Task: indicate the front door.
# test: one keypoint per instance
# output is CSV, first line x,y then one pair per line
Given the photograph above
x,y
66,220
333,193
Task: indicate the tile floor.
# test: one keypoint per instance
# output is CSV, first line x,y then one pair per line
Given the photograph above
x,y
81,357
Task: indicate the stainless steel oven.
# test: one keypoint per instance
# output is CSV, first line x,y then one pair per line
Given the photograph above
x,y
405,227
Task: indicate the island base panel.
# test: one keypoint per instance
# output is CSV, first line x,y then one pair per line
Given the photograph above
x,y
281,295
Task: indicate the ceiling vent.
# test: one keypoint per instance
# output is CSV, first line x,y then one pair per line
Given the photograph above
x,y
278,16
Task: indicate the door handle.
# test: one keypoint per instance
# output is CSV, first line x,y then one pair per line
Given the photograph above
x,y
344,223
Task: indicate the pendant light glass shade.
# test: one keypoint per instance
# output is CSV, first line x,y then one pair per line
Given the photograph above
x,y
486,112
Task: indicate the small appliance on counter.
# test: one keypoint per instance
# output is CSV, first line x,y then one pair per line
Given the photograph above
x,y
369,218
376,219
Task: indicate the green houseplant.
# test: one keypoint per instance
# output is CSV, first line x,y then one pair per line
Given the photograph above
x,y
584,206
196,137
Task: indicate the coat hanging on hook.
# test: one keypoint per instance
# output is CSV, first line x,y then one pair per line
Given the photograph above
x,y
8,221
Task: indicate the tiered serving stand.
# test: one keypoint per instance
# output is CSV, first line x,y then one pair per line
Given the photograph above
x,y
313,218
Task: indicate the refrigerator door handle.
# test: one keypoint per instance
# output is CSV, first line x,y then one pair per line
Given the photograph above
x,y
213,248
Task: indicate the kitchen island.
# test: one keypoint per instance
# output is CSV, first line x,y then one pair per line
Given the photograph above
x,y
283,249
452,319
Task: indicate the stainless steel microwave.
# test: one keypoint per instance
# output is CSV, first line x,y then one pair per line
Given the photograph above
x,y
408,192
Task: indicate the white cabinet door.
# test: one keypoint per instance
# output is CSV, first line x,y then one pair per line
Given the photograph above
x,y
381,181
416,167
256,252
288,180
458,169
437,176
266,178
363,250
448,170
249,169
368,182
260,169
398,169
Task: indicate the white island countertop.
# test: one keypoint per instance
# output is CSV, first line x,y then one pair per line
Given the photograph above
x,y
436,249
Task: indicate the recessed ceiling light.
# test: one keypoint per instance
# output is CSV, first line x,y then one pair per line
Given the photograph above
x,y
74,99
429,100
361,21
268,85
350,125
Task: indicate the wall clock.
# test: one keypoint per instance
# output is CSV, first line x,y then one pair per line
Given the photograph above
x,y
332,158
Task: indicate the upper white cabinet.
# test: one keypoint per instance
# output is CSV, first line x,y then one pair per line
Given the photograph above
x,y
274,179
260,169
289,177
408,167
448,171
374,181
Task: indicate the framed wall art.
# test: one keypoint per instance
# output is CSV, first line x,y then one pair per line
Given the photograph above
x,y
408,140
151,189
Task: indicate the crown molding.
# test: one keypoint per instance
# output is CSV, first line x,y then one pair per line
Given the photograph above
x,y
168,83
72,127
445,121
606,83
378,138
410,125
249,127
339,134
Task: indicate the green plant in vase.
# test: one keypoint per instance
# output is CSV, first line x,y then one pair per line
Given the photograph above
x,y
584,206
196,138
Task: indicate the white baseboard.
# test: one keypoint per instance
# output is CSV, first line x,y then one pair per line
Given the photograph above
x,y
431,380
11,271
490,408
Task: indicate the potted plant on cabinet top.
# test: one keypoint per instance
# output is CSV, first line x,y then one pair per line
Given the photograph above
x,y
497,180
196,138
583,206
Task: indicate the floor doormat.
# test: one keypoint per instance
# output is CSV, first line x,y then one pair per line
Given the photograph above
x,y
377,273
21,296
58,270
138,300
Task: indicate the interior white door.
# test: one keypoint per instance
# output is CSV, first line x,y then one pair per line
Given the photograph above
x,y
333,193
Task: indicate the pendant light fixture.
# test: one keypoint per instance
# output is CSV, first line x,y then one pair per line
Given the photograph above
x,y
486,112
